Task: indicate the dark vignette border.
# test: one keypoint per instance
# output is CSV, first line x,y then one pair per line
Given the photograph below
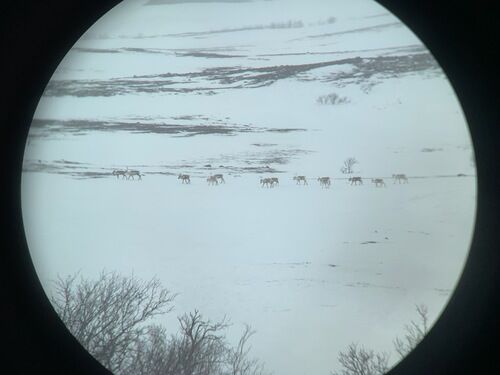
x,y
35,37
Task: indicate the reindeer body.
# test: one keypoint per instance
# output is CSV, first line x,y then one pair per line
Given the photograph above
x,y
219,178
269,182
324,182
355,180
118,173
212,180
400,177
184,178
379,182
265,182
131,173
300,179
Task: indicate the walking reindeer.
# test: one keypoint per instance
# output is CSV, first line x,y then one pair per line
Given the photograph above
x,y
400,177
131,173
300,179
127,174
324,182
269,182
265,182
355,180
219,178
212,180
379,182
184,178
118,173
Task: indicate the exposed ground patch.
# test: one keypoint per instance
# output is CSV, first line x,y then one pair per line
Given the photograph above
x,y
205,126
209,81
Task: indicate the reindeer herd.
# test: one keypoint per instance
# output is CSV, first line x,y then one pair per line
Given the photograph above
x,y
268,182
127,174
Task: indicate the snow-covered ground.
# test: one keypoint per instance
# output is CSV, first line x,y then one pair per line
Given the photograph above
x,y
170,89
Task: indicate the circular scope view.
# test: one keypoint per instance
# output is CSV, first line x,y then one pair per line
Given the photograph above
x,y
249,187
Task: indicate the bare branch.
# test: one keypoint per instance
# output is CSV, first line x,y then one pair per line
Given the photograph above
x,y
347,168
107,315
360,361
415,332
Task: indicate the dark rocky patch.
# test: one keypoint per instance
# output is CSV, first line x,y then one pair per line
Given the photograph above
x,y
96,50
49,127
237,77
264,160
264,144
208,55
384,67
243,163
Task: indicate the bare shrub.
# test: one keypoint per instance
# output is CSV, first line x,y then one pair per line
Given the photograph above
x,y
360,361
108,315
199,349
151,355
415,332
349,163
239,361
290,24
109,318
332,99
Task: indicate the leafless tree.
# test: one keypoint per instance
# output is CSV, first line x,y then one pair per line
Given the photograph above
x,y
360,361
108,315
348,165
150,356
201,347
415,332
238,359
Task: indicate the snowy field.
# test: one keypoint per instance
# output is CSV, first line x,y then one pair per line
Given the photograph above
x,y
186,88
310,269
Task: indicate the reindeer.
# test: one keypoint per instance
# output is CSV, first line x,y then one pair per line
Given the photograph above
x,y
400,177
118,173
266,182
269,182
324,182
379,182
299,179
219,178
184,178
355,180
212,180
131,173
